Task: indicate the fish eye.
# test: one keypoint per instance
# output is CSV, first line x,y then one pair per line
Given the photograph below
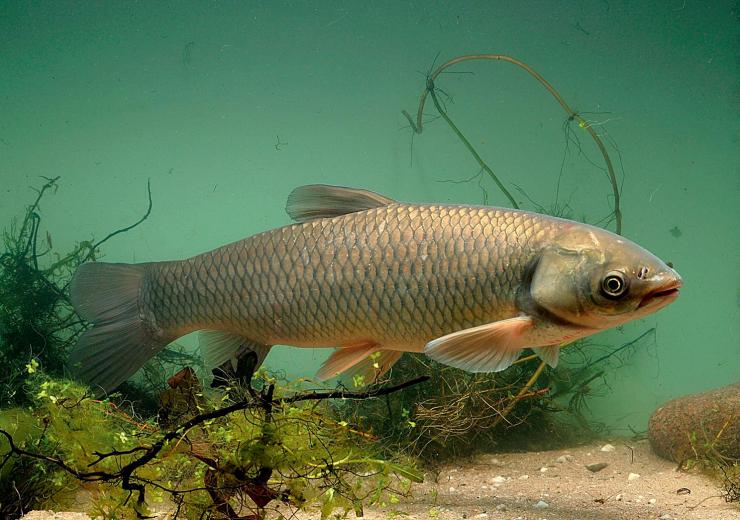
x,y
614,285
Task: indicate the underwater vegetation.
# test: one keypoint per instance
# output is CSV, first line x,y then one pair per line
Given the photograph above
x,y
37,323
232,455
459,414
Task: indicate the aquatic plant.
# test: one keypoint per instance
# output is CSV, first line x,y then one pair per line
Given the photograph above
x,y
231,454
37,322
458,413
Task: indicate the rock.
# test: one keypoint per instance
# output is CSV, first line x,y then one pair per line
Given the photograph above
x,y
541,505
501,507
543,469
665,516
498,479
564,458
596,466
702,417
633,476
652,501
618,497
523,477
607,448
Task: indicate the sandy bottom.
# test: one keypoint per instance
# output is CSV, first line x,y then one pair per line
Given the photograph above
x,y
553,485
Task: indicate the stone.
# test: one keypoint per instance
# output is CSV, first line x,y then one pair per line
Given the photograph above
x,y
633,476
607,448
541,505
596,466
702,417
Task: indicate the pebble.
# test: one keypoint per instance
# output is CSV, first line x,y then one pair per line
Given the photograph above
x,y
543,469
666,516
541,505
481,515
618,497
452,489
607,448
501,507
498,479
652,501
597,466
523,477
564,458
633,476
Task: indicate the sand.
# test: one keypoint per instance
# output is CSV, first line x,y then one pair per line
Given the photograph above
x,y
508,486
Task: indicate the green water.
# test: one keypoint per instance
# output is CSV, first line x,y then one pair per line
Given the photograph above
x,y
227,106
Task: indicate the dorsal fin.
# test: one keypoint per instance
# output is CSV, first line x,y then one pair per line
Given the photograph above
x,y
322,201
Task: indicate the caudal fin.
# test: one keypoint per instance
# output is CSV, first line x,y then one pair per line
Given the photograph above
x,y
120,341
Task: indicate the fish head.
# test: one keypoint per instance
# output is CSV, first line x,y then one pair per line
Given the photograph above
x,y
595,279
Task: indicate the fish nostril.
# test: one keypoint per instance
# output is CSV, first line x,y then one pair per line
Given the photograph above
x,y
642,273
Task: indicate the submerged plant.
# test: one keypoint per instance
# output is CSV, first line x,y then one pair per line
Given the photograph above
x,y
231,454
37,322
459,413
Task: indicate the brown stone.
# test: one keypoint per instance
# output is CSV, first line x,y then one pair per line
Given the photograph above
x,y
707,419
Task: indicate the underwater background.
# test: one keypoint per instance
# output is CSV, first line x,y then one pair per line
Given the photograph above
x,y
227,106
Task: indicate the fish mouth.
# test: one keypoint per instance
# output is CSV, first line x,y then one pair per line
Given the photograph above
x,y
662,295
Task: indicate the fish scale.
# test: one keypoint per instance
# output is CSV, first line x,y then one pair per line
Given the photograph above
x,y
427,270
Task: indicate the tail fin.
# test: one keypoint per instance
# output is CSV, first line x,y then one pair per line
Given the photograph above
x,y
120,341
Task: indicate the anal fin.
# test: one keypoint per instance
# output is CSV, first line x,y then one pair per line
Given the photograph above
x,y
373,367
344,358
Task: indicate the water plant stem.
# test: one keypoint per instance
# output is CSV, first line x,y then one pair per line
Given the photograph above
x,y
520,395
472,150
429,89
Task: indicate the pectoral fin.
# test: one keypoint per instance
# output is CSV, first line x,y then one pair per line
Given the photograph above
x,y
492,347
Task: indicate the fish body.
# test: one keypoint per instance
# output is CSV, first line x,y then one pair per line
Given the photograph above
x,y
469,285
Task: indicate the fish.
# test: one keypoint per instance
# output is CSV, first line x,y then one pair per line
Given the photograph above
x,y
469,286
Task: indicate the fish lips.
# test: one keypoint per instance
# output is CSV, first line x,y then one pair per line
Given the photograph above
x,y
662,295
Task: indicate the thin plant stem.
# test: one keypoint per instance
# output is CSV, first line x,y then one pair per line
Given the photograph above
x,y
520,395
417,125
